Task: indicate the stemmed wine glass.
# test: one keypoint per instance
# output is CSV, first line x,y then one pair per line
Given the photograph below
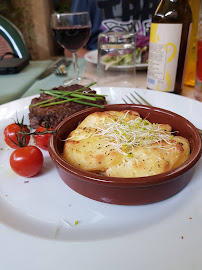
x,y
72,31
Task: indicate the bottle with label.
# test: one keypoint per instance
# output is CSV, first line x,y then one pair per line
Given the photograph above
x,y
169,39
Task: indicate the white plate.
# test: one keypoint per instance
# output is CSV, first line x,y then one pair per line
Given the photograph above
x,y
37,217
92,58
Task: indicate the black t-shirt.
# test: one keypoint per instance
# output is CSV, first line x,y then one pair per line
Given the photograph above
x,y
117,15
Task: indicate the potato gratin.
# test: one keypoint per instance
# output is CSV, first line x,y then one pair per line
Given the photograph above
x,y
122,144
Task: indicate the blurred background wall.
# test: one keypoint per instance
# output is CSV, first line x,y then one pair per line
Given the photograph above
x,y
32,17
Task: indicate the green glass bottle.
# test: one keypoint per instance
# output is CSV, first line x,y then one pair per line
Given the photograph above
x,y
169,39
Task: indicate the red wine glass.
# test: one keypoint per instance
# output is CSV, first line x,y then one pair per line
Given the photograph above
x,y
72,31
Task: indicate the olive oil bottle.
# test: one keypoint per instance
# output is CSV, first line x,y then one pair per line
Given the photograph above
x,y
169,39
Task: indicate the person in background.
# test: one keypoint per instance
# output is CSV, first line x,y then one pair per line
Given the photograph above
x,y
118,15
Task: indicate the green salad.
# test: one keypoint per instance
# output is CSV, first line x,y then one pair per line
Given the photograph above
x,y
117,59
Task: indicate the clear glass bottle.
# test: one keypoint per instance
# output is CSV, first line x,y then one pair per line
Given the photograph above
x,y
169,36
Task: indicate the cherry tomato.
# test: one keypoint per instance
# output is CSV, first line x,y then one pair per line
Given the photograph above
x,y
11,138
42,139
26,161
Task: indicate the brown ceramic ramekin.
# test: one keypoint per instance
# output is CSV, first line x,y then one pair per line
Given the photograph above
x,y
127,191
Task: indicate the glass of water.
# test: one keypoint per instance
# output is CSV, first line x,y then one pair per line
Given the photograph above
x,y
116,59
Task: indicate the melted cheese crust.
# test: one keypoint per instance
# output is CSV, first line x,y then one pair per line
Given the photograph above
x,y
91,153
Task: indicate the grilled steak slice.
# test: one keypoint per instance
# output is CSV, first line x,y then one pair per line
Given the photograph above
x,y
56,113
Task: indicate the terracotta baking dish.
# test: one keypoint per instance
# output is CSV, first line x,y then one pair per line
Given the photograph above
x,y
127,191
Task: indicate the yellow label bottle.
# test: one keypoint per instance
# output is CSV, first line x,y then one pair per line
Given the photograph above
x,y
169,37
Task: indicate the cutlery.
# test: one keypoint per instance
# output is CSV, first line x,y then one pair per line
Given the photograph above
x,y
61,70
53,67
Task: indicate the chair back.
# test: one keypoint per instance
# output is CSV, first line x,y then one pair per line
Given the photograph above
x,y
11,39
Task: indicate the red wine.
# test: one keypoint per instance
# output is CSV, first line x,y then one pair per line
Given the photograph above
x,y
72,37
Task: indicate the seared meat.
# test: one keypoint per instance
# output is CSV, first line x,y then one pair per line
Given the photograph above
x,y
56,113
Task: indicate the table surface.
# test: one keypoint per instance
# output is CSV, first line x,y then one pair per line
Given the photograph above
x,y
141,75
13,86
53,80
26,84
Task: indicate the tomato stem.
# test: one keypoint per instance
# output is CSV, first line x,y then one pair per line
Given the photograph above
x,y
37,133
21,135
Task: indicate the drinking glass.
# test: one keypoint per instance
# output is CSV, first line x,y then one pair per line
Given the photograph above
x,y
116,59
72,31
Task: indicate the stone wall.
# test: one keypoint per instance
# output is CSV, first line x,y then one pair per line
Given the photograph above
x,y
32,17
